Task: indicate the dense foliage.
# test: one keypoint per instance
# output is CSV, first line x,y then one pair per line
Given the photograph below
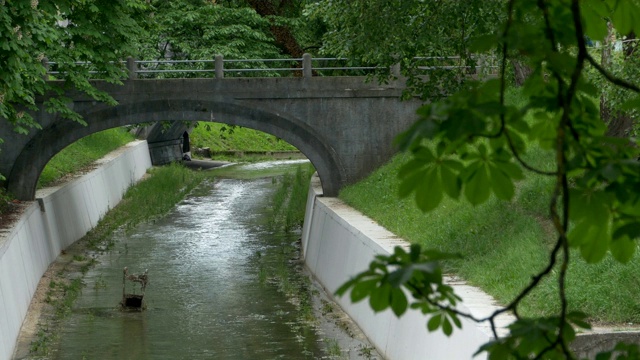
x,y
472,145
235,29
70,33
201,30
416,34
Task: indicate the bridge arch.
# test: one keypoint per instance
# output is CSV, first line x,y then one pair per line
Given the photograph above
x,y
23,178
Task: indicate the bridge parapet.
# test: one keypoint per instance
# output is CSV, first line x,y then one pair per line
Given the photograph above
x,y
306,66
219,67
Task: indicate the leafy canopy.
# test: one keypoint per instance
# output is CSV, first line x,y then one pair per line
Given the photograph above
x,y
66,32
188,29
473,145
385,33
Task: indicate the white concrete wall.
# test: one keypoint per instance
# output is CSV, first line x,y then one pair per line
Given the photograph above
x,y
70,211
339,242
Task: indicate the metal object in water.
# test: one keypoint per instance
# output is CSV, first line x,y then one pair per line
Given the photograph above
x,y
133,300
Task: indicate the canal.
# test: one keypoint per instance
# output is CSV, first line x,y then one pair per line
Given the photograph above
x,y
225,283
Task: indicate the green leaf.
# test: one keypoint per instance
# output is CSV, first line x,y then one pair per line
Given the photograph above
x,y
501,184
631,104
477,187
411,166
590,215
430,193
596,243
512,170
399,302
624,16
456,320
630,230
594,13
623,249
400,276
430,270
414,252
483,43
579,234
346,286
362,289
579,318
592,205
410,183
447,328
423,128
434,323
380,297
450,182
424,154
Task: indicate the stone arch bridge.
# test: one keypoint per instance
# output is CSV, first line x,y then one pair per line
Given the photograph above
x,y
344,125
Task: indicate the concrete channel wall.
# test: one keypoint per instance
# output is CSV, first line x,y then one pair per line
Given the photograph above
x,y
339,242
61,216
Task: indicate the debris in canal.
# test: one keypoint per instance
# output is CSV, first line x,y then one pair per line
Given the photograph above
x,y
133,300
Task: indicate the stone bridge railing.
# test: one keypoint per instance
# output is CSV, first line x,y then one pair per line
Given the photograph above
x,y
306,66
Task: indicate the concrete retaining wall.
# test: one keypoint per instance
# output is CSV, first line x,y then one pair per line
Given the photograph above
x,y
339,242
70,211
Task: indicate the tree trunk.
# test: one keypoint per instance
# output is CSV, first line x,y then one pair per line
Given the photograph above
x,y
282,34
521,71
619,123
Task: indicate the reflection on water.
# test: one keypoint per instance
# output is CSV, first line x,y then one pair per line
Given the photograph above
x,y
270,164
205,297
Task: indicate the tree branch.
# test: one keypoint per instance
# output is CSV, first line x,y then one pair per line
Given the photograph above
x,y
614,80
524,164
534,282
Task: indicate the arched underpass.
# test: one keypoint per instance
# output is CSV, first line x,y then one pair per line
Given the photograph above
x,y
344,126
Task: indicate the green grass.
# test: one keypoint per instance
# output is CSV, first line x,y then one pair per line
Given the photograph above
x,y
279,265
147,200
503,244
74,158
333,348
82,153
290,198
221,137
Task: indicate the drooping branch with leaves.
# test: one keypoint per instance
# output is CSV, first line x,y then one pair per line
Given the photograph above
x,y
84,39
474,145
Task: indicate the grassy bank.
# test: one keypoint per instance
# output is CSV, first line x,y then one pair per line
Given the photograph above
x,y
73,158
82,153
290,199
147,200
503,244
221,137
287,211
286,216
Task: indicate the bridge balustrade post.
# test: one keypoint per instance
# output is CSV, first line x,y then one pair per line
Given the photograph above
x,y
395,70
219,64
132,67
45,64
307,70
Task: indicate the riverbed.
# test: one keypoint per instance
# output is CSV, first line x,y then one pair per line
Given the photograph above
x,y
224,284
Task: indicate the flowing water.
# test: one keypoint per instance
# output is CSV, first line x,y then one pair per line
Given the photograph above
x,y
211,294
